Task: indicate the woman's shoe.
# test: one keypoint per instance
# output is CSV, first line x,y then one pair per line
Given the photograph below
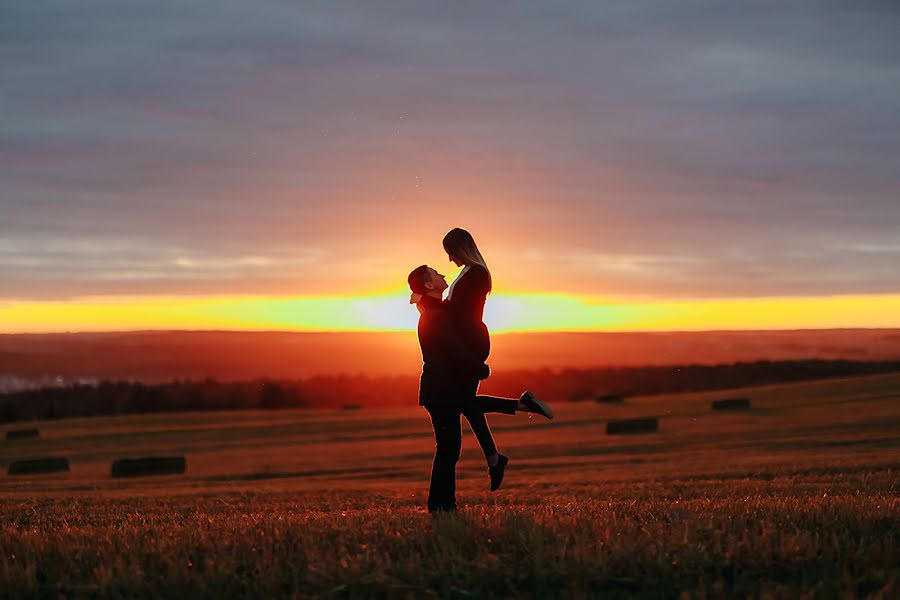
x,y
496,472
536,406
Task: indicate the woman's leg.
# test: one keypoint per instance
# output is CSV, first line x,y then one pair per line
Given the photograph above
x,y
474,410
475,416
477,422
496,404
527,402
496,462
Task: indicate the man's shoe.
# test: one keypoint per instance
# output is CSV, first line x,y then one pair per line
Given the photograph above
x,y
536,406
496,472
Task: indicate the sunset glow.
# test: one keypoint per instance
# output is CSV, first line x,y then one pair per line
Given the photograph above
x,y
503,313
278,166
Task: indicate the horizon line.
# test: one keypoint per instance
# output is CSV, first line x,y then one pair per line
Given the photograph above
x,y
504,313
410,332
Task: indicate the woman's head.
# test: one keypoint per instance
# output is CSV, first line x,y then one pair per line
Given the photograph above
x,y
461,248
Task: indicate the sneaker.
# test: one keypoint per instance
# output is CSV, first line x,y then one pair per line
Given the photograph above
x,y
496,472
536,406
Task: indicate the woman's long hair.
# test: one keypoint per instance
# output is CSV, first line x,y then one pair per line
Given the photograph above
x,y
461,244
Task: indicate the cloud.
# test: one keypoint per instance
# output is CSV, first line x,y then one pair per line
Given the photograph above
x,y
634,133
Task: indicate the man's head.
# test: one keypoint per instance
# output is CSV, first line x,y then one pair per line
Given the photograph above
x,y
426,281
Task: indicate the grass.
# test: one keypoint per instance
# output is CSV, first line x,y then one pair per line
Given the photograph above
x,y
799,496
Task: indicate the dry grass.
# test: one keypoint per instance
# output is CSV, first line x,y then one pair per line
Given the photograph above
x,y
797,496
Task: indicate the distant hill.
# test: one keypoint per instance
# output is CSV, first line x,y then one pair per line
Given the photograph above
x,y
155,356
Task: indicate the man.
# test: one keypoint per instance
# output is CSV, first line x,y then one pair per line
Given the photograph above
x,y
450,375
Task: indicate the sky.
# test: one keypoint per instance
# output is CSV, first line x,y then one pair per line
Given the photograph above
x,y
167,155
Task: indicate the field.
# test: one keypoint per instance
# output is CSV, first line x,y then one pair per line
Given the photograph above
x,y
800,495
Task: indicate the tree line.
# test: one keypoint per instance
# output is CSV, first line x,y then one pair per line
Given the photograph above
x,y
354,391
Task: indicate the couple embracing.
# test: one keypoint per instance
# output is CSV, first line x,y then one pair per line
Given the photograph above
x,y
455,344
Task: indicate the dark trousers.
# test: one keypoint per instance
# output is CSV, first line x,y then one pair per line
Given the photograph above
x,y
448,442
474,411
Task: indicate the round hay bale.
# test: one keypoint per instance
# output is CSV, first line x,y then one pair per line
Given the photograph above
x,y
22,434
33,466
731,404
643,425
610,399
150,465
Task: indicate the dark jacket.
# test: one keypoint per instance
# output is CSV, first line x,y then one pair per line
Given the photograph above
x,y
466,304
449,367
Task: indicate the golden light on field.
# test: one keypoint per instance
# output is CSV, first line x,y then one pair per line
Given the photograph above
x,y
505,312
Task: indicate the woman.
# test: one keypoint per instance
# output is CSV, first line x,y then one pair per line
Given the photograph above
x,y
468,292
465,302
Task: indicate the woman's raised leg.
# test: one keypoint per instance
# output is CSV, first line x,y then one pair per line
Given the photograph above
x,y
527,402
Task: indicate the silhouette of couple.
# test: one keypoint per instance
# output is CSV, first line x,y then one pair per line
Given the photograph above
x,y
455,344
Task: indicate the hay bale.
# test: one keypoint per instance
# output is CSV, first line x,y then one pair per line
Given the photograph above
x,y
33,466
22,434
150,465
643,425
731,404
610,399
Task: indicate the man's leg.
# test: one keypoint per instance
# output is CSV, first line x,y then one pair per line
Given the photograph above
x,y
448,442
